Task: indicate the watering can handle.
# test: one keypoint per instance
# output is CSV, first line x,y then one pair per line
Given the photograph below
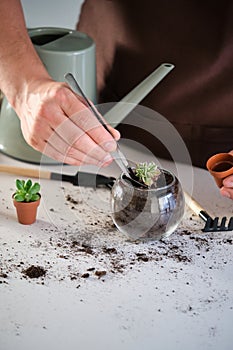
x,y
127,104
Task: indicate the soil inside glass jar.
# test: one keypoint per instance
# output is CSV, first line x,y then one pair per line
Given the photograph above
x,y
145,213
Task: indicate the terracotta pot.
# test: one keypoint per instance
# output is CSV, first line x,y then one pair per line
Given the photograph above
x,y
26,211
220,166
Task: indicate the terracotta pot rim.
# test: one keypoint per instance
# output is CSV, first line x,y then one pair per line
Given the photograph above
x,y
217,158
24,201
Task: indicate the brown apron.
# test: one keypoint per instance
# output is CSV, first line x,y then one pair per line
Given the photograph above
x,y
134,37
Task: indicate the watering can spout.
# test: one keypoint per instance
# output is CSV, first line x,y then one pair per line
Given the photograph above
x,y
116,115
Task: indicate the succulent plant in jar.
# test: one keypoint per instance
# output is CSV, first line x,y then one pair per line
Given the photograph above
x,y
148,212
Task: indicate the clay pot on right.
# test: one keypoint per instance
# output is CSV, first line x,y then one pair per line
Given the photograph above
x,y
220,166
147,214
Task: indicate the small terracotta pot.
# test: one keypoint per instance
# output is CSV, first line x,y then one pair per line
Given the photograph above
x,y
220,166
26,211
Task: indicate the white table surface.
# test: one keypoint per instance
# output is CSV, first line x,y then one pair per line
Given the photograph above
x,y
162,303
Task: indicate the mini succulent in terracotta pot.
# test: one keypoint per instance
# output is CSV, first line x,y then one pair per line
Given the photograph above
x,y
26,200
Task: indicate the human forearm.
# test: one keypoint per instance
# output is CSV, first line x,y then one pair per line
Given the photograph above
x,y
54,120
20,64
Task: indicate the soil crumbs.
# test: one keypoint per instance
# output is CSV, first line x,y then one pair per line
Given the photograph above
x,y
91,248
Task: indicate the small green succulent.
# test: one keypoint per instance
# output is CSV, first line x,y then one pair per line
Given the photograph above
x,y
147,172
26,191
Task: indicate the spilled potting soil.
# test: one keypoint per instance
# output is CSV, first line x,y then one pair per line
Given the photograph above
x,y
88,253
91,248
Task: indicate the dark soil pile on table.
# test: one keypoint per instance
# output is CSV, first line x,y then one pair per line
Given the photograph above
x,y
34,272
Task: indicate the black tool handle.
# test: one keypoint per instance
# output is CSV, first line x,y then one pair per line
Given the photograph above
x,y
204,215
196,207
84,179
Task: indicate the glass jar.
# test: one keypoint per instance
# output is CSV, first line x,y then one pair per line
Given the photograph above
x,y
147,214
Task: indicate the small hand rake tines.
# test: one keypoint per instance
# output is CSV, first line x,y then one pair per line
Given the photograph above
x,y
211,224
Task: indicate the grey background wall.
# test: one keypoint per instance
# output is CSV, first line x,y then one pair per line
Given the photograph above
x,y
59,13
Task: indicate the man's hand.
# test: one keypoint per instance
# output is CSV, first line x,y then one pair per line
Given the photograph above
x,y
56,122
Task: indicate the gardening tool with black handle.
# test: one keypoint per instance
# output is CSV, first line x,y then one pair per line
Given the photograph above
x,y
79,179
211,224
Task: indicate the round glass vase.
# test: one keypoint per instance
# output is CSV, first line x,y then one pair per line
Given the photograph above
x,y
147,214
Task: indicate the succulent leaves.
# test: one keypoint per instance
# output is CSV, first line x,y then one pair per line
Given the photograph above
x,y
26,191
147,173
